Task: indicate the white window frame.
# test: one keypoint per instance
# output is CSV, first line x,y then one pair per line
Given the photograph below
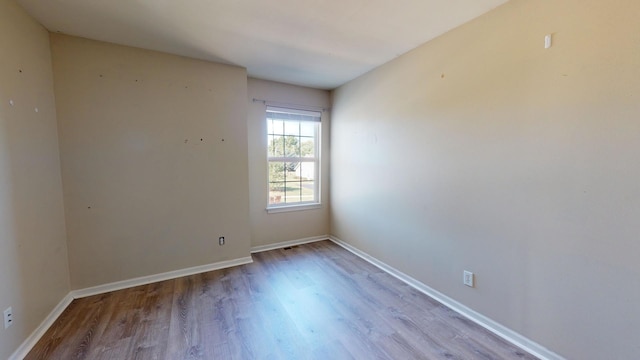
x,y
313,116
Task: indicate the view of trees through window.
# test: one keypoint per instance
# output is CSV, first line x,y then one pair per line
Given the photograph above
x,y
292,148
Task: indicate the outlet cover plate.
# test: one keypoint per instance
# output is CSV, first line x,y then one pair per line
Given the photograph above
x,y
8,317
467,278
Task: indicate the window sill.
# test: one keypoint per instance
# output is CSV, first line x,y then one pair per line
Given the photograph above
x,y
288,208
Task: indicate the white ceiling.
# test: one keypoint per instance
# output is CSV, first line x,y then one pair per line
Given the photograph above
x,y
316,43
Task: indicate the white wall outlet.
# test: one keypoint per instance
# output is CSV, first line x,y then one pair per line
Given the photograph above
x,y
467,278
8,317
221,240
547,41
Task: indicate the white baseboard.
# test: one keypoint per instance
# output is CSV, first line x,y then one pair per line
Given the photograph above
x,y
496,328
35,336
283,244
124,284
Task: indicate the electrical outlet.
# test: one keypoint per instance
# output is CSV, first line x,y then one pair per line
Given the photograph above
x,y
221,240
467,278
8,317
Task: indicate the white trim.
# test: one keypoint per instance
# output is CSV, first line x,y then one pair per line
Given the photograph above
x,y
496,328
287,208
283,244
143,280
292,159
289,106
290,110
35,336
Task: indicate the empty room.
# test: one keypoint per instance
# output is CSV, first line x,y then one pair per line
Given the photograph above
x,y
410,179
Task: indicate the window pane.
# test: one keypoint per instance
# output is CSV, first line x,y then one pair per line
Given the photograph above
x,y
276,173
276,146
276,192
293,192
275,127
291,171
277,183
307,193
308,128
307,171
292,128
292,146
270,145
307,147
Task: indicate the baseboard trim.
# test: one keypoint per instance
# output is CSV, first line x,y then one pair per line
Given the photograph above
x,y
283,244
496,328
144,280
35,336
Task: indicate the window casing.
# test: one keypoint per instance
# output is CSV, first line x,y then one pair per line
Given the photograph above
x,y
293,157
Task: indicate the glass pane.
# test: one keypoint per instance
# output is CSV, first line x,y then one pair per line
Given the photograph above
x,y
269,126
292,146
276,182
307,191
275,127
292,171
292,128
307,128
276,146
276,173
307,171
307,147
270,149
276,193
292,192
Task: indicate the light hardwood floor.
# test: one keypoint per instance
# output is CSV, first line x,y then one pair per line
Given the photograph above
x,y
314,301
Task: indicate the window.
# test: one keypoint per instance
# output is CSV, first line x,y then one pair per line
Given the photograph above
x,y
293,140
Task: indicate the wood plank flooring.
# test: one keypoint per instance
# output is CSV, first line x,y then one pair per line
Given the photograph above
x,y
314,301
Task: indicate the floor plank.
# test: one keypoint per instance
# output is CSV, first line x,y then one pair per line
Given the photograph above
x,y
314,301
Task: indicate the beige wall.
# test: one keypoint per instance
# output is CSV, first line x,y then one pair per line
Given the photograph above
x,y
33,254
483,151
277,227
154,160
